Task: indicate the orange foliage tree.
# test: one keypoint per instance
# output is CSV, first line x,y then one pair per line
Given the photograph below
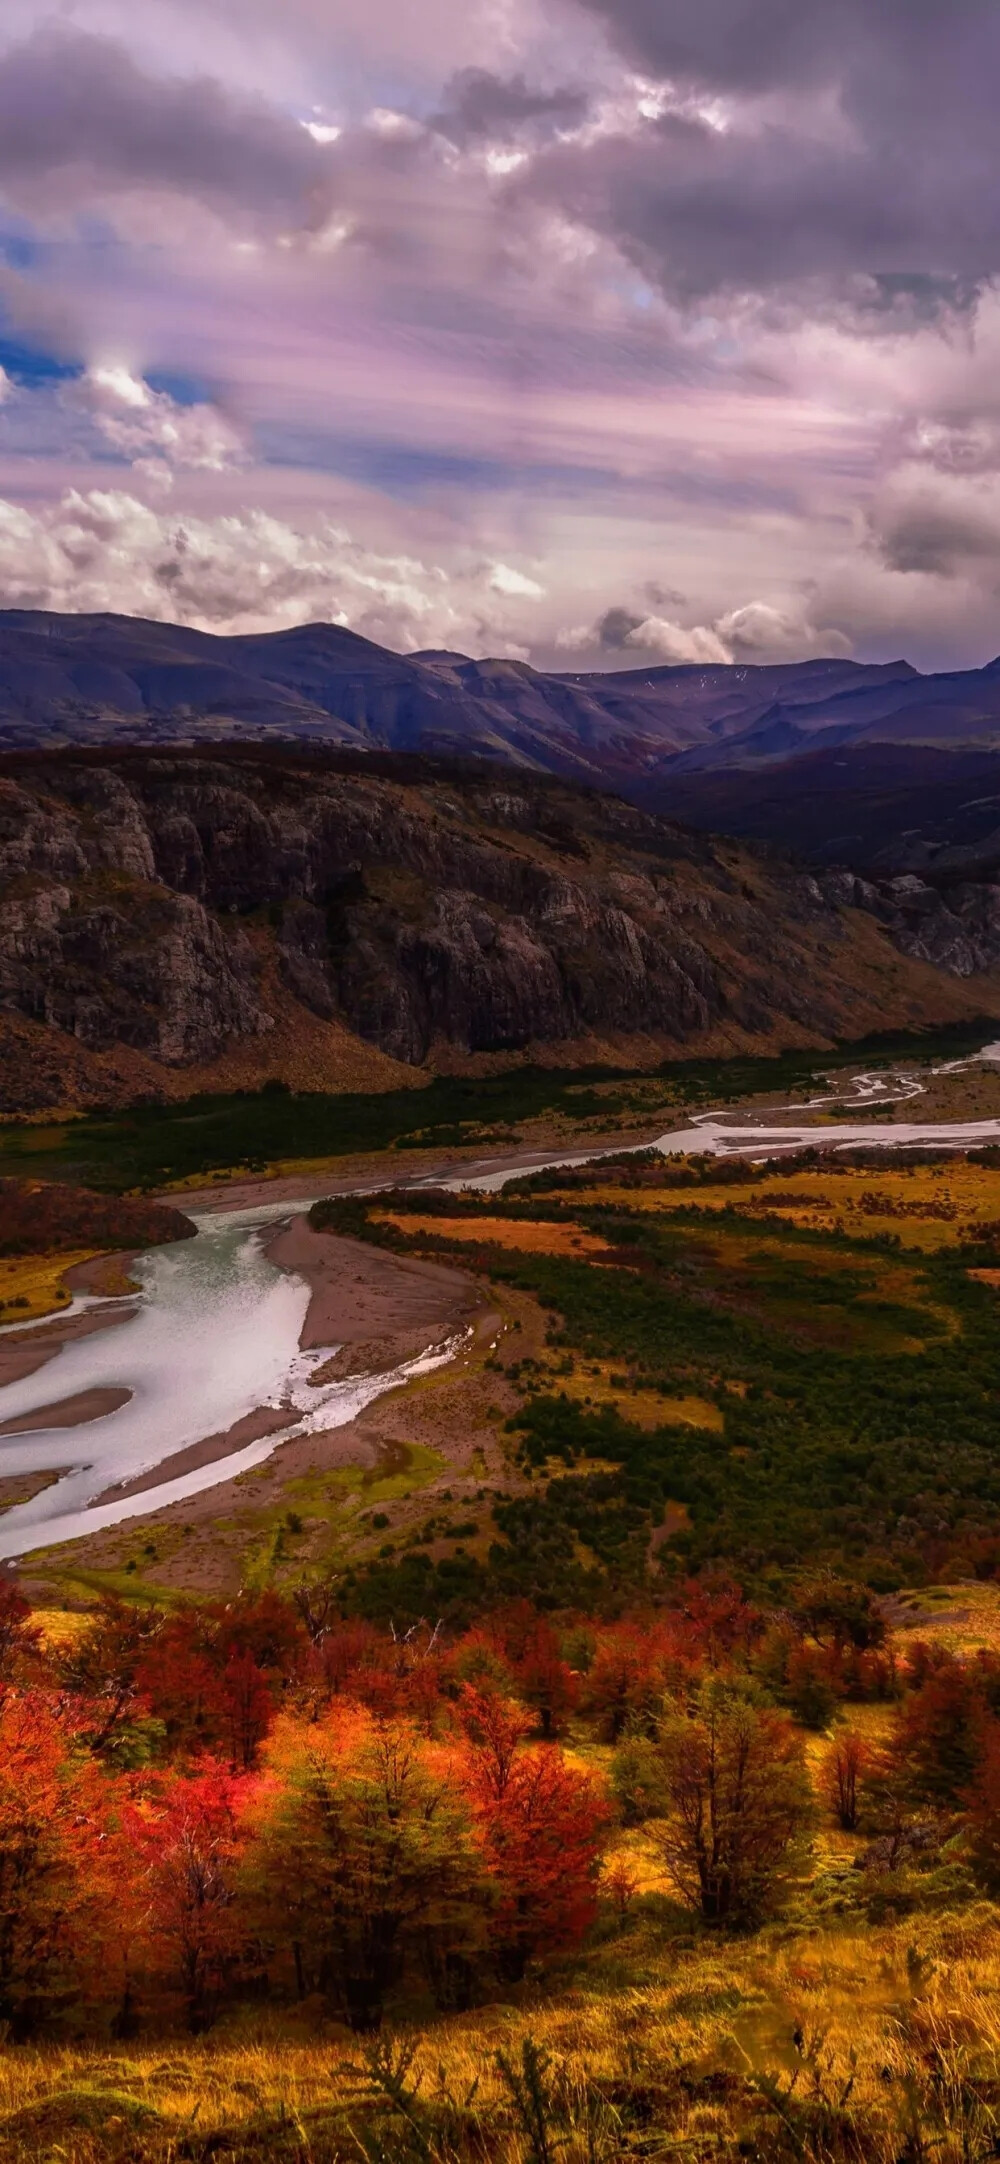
x,y
364,1865
736,1799
54,1864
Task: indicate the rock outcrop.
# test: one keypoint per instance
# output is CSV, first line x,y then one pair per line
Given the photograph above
x,y
155,901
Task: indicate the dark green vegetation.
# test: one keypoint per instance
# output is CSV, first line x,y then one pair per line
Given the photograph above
x,y
147,1146
858,1385
37,1219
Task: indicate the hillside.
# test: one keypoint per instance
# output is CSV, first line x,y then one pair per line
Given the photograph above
x,y
885,808
191,921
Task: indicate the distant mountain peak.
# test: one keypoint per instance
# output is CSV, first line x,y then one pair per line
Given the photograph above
x,y
85,679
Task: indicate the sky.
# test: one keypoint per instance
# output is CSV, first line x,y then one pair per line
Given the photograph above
x,y
596,333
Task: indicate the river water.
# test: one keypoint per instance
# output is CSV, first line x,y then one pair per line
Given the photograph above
x,y
214,1334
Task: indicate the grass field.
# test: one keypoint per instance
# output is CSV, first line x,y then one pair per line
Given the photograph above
x,y
833,1332
927,1206
33,1285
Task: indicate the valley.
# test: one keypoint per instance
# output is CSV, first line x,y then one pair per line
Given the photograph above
x,y
500,1330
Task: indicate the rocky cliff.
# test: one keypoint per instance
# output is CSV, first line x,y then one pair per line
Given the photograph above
x,y
160,910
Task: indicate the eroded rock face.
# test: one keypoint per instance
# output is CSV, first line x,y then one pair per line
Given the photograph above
x,y
954,926
150,900
128,965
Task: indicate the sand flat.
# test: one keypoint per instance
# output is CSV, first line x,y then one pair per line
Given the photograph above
x,y
23,1352
363,1294
266,1420
71,1412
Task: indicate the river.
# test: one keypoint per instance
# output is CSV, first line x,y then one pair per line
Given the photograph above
x,y
214,1334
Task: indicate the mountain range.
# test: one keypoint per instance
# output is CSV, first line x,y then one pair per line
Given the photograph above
x,y
99,679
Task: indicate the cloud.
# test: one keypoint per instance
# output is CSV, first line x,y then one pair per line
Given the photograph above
x,y
244,571
780,153
505,580
756,632
79,120
757,45
481,107
616,627
529,301
153,431
946,525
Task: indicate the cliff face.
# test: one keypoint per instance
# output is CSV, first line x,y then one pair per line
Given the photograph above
x,y
178,903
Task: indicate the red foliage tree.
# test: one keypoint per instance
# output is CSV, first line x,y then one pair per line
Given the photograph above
x,y
54,1891
940,1732
982,1807
102,1670
627,1677
244,1709
20,1638
841,1778
542,1826
187,1843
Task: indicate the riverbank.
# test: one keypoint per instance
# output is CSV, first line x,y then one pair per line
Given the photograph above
x,y
380,1311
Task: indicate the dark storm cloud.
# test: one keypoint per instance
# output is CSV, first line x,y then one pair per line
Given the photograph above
x,y
927,533
76,110
615,627
760,45
855,142
480,107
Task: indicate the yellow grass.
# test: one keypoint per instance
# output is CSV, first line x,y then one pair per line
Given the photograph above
x,y
876,2003
644,1408
38,1280
927,1206
58,1626
525,1235
964,1618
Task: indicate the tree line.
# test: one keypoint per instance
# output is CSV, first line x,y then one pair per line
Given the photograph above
x,y
268,1801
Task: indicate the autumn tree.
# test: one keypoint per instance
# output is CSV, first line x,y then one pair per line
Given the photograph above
x,y
20,1638
625,1683
178,1678
541,1824
543,1679
365,1867
842,1778
187,1843
836,1612
243,1708
736,1801
939,1735
982,1808
53,1890
101,1670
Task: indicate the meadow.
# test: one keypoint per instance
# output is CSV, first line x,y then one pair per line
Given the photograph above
x,y
837,1322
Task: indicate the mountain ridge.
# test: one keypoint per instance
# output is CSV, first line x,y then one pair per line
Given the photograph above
x,y
77,680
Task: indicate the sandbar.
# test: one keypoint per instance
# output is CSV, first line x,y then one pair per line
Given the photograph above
x,y
71,1412
363,1297
108,1275
23,1352
264,1420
